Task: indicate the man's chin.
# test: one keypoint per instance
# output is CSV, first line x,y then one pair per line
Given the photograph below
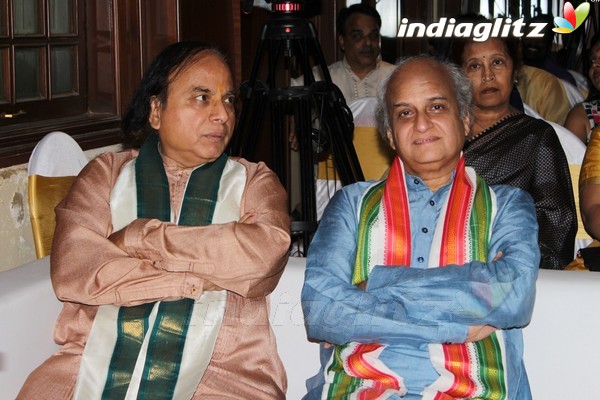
x,y
368,62
368,58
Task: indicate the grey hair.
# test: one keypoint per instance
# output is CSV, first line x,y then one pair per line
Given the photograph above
x,y
461,84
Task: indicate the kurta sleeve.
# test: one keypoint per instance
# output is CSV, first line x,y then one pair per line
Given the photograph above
x,y
247,259
88,268
500,293
337,311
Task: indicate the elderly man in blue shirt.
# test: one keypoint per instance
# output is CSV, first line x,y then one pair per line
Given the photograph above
x,y
419,286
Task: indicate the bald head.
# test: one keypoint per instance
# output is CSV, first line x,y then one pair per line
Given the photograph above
x,y
406,68
426,117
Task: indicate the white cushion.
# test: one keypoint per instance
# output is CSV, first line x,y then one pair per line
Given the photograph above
x,y
57,154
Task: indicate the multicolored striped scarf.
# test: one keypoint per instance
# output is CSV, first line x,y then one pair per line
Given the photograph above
x,y
462,235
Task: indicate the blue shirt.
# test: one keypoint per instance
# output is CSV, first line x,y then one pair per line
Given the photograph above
x,y
405,309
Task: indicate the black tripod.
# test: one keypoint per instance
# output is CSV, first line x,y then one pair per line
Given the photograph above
x,y
295,40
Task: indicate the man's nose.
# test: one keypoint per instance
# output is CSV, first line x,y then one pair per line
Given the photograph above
x,y
219,112
423,122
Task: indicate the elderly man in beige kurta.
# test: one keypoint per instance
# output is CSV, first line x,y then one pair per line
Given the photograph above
x,y
164,254
244,259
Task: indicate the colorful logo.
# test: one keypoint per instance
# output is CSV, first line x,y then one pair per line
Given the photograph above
x,y
573,18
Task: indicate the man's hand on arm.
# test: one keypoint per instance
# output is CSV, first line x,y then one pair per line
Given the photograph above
x,y
477,333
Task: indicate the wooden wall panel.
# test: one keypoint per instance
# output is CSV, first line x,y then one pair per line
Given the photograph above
x,y
129,64
143,29
160,27
102,84
213,21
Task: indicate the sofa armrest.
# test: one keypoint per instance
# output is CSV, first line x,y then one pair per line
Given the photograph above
x,y
561,346
561,342
28,311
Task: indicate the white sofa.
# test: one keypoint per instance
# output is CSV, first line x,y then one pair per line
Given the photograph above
x,y
562,349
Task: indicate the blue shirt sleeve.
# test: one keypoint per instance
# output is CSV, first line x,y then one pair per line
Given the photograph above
x,y
338,312
500,292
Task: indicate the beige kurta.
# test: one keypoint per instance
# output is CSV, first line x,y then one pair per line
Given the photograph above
x,y
163,261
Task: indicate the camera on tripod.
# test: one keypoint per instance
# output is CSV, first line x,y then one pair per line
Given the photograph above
x,y
279,6
320,115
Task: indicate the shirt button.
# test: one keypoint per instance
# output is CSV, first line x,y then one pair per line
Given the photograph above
x,y
416,181
420,259
424,230
431,203
194,289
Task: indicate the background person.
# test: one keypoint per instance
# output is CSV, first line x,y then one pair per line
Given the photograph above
x,y
584,117
543,92
588,258
358,76
164,253
589,186
361,70
537,52
508,147
373,295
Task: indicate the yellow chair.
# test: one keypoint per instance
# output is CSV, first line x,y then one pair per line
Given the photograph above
x,y
54,163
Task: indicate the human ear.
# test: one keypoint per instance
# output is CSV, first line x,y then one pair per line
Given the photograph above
x,y
340,40
154,116
467,124
390,138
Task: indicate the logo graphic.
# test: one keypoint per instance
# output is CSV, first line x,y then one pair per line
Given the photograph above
x,y
480,32
572,18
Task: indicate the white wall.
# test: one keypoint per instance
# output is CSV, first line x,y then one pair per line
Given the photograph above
x,y
16,238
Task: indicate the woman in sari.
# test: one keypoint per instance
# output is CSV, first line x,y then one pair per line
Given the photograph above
x,y
508,147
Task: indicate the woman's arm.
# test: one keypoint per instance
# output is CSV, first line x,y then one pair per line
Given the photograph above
x,y
589,197
577,122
